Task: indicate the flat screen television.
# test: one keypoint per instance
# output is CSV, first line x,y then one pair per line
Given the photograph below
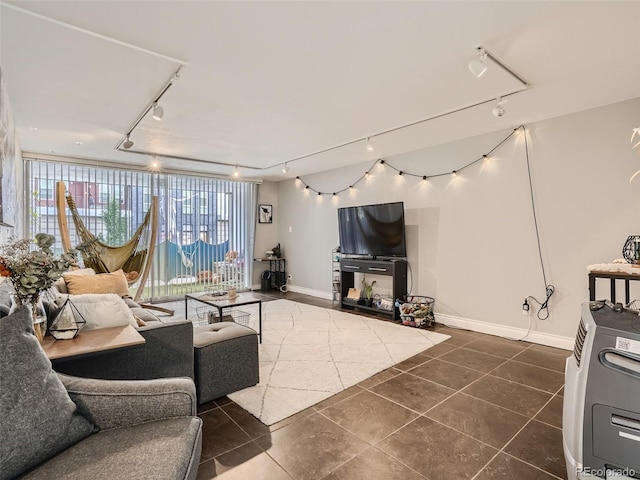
x,y
372,230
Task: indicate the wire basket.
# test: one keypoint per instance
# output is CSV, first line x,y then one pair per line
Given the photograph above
x,y
417,311
207,315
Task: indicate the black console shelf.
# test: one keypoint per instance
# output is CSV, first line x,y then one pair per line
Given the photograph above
x,y
397,269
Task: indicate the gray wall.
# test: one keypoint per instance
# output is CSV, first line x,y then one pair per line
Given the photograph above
x,y
471,242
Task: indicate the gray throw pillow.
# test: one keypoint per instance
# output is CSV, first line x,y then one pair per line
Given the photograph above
x,y
37,417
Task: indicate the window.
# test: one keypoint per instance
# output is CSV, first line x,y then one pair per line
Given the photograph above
x,y
222,231
45,189
187,234
214,210
103,192
204,203
187,199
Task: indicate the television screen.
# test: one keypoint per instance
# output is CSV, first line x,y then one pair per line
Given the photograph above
x,y
372,230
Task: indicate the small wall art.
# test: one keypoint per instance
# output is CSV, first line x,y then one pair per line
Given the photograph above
x,y
265,213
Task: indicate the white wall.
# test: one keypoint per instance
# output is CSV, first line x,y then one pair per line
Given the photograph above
x,y
471,242
266,233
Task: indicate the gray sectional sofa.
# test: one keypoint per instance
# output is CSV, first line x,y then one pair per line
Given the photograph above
x,y
168,351
63,427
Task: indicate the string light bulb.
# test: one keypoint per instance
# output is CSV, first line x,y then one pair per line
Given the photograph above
x,y
454,173
285,168
236,172
400,172
424,178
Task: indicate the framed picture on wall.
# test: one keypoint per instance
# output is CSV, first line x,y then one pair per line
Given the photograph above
x,y
265,213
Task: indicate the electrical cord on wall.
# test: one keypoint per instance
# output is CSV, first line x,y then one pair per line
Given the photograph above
x,y
543,312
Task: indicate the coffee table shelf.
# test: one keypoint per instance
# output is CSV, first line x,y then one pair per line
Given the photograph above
x,y
228,304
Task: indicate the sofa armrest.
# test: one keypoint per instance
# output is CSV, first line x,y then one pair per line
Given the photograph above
x,y
119,403
168,352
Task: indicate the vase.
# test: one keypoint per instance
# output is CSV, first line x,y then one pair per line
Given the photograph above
x,y
38,313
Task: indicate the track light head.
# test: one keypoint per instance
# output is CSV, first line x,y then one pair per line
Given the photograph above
x,y
158,111
498,111
477,66
285,168
370,144
128,143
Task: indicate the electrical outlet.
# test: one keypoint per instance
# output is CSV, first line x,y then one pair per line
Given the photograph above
x,y
525,307
289,277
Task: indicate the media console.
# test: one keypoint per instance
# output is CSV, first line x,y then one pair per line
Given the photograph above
x,y
397,269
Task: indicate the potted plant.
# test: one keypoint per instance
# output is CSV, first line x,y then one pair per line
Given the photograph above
x,y
367,291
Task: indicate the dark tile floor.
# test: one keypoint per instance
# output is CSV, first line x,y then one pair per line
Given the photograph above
x,y
474,407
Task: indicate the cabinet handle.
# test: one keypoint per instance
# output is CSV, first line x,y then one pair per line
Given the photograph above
x,y
375,269
351,266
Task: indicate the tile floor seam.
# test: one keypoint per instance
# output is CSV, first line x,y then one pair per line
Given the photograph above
x,y
521,429
475,370
460,432
444,399
490,354
377,449
534,365
291,475
237,446
495,404
523,384
409,408
362,439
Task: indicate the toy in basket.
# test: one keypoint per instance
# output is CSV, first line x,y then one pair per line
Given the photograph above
x,y
417,311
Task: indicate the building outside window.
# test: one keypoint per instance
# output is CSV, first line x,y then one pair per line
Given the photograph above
x,y
204,203
187,234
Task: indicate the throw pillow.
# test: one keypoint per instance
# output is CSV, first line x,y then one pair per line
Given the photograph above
x,y
114,282
60,284
37,417
102,310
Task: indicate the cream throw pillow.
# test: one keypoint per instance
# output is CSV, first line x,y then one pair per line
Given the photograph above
x,y
102,310
114,282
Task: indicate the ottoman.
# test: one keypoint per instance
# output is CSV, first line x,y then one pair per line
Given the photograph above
x,y
225,359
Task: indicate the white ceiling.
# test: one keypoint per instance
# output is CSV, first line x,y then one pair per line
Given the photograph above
x,y
268,82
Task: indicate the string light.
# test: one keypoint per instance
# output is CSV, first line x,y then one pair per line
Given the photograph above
x,y
454,173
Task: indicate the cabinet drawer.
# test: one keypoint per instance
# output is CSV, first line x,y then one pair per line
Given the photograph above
x,y
367,266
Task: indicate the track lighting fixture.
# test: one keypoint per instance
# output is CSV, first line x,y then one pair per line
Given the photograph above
x,y
477,66
158,111
285,168
128,143
370,145
498,111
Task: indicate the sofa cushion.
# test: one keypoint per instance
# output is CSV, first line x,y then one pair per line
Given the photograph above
x,y
114,282
164,449
37,417
101,310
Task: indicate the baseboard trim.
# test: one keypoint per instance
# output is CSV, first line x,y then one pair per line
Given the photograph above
x,y
548,339
505,331
303,290
309,291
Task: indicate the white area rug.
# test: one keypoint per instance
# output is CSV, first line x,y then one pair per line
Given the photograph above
x,y
310,353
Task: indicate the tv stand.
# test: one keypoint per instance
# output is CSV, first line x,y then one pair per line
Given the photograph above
x,y
395,269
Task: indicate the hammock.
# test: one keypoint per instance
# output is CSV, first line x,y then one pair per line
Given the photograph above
x,y
133,257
